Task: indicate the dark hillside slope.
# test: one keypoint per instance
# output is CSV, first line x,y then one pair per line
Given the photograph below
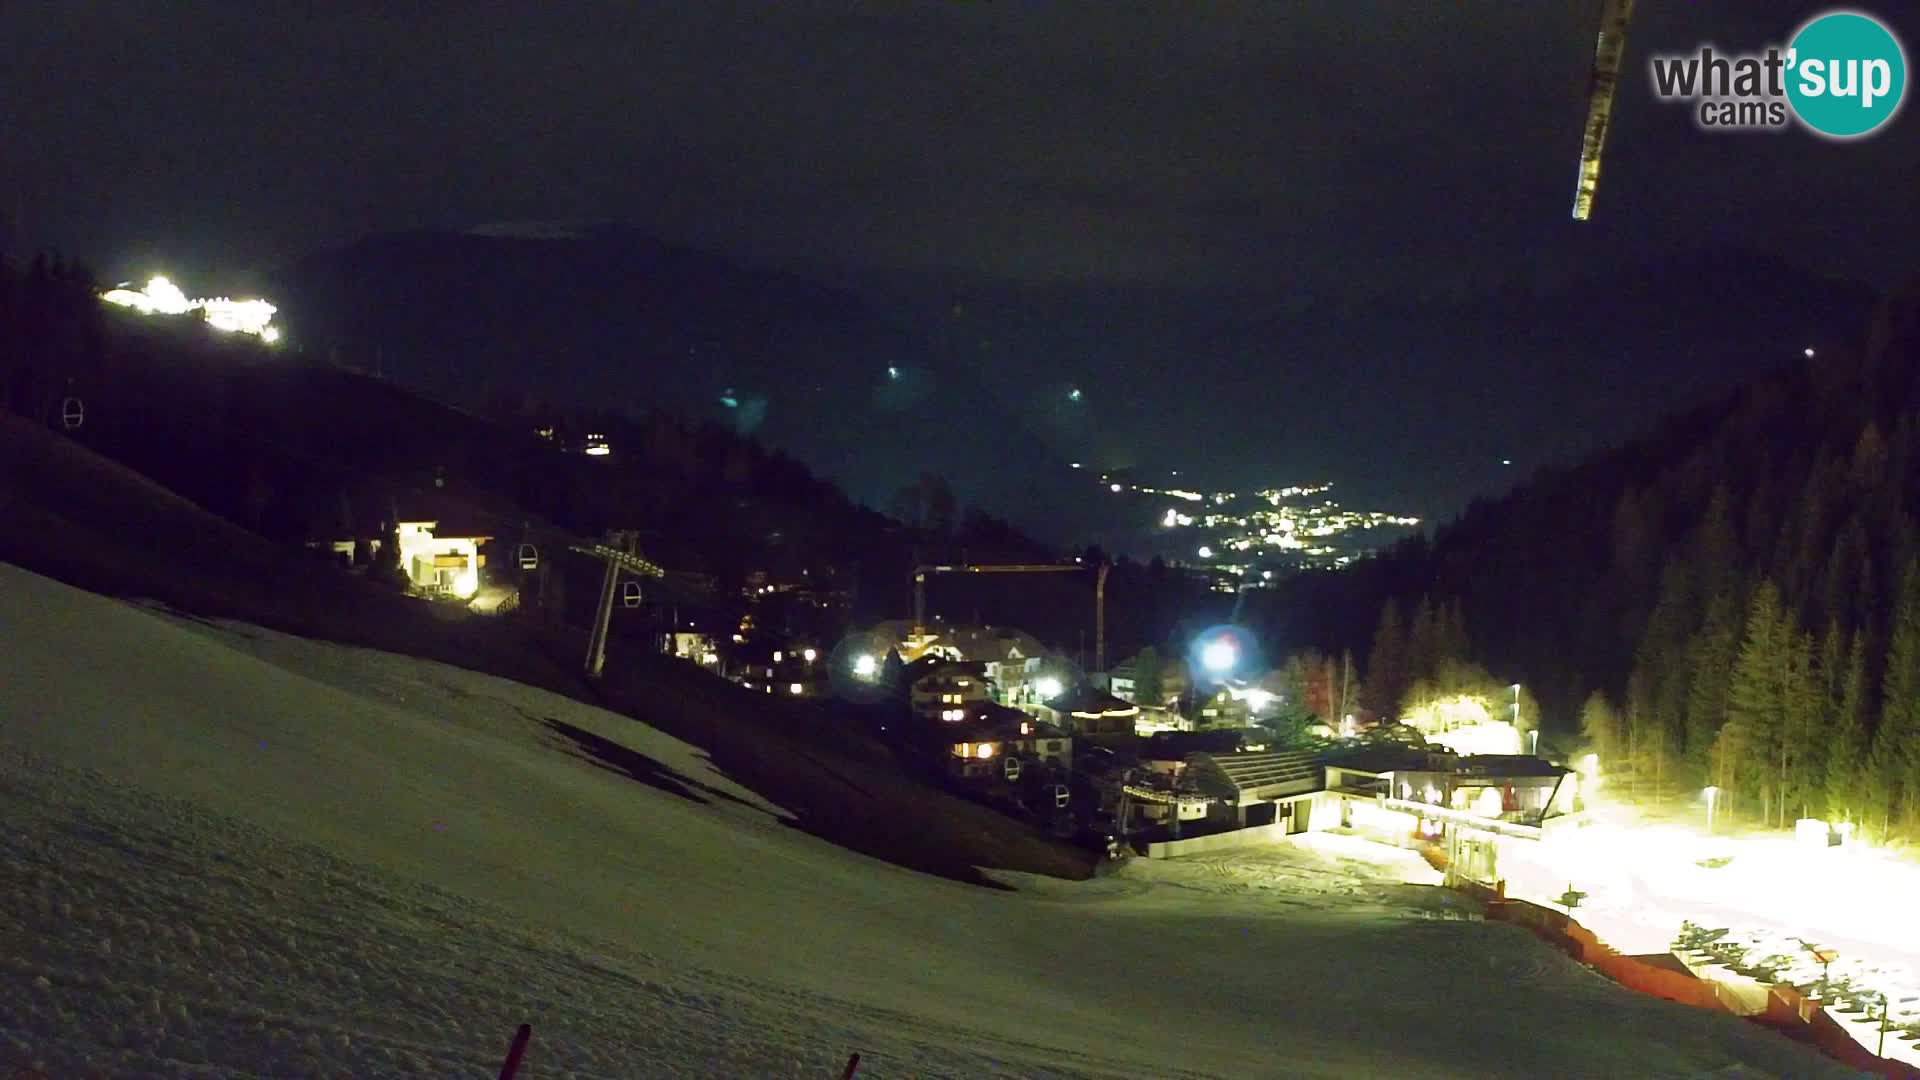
x,y
74,515
609,317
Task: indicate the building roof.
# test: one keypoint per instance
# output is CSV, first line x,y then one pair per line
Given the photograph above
x,y
987,644
1381,757
985,722
1084,700
1179,745
1507,765
1255,777
937,667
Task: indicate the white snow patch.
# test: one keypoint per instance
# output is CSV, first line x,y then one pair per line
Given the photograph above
x,y
234,855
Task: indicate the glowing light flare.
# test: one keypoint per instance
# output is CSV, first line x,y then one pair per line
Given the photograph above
x,y
865,666
1219,655
466,584
1048,688
163,297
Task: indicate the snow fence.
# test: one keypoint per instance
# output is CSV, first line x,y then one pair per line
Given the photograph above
x,y
1785,1008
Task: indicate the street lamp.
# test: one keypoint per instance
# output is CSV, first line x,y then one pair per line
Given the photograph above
x,y
1713,796
1219,656
1533,737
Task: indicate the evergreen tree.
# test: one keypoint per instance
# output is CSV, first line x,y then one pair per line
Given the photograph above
x,y
1600,723
1387,670
1802,729
1455,645
1148,687
1710,664
1756,701
1847,739
1899,731
1879,783
386,560
893,670
1425,642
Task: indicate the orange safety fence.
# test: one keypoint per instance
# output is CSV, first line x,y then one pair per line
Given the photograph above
x,y
1786,1010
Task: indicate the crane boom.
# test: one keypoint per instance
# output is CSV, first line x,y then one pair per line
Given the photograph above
x,y
1099,594
1607,54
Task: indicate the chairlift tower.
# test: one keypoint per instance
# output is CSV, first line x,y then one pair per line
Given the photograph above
x,y
619,555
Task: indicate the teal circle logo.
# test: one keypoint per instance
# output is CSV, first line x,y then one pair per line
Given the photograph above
x,y
1847,75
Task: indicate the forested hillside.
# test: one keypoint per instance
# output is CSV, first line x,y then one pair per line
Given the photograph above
x,y
270,438
1733,600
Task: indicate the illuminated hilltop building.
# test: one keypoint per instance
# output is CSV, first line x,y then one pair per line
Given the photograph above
x,y
163,297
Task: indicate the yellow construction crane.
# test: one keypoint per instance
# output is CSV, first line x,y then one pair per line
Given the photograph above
x,y
1099,594
1607,54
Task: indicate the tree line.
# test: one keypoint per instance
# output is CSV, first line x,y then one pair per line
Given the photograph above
x,y
1731,601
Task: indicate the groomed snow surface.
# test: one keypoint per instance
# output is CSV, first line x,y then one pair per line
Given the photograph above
x,y
231,853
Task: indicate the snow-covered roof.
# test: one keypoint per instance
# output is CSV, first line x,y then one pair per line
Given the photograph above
x,y
1256,777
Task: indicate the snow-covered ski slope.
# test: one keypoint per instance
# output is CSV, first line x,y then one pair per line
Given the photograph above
x,y
231,853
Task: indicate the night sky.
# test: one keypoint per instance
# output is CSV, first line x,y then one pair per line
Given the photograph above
x,y
1179,205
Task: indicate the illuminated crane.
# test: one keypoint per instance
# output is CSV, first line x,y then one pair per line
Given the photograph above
x,y
1607,54
1099,595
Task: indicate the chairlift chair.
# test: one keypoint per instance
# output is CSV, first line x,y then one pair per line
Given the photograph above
x,y
529,557
630,594
1011,767
1061,795
73,413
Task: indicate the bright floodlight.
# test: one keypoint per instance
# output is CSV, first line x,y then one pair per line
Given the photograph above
x,y
1809,354
1116,489
1219,655
864,666
1049,688
1205,552
1259,699
466,584
808,655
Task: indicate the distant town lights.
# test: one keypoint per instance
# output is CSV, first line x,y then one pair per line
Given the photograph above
x,y
1116,488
